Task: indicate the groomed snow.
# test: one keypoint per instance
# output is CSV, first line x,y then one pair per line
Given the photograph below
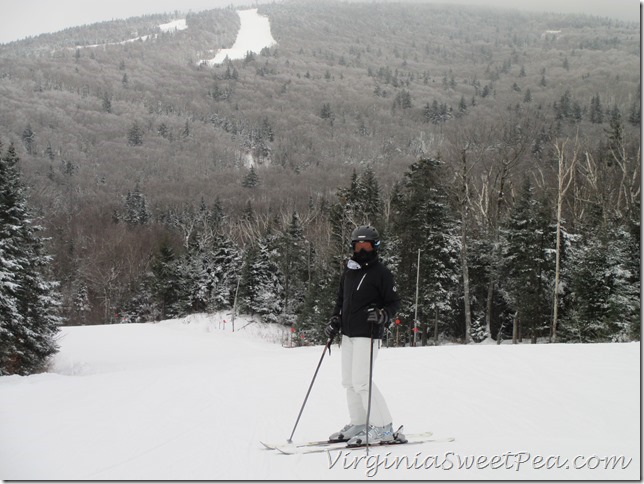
x,y
190,400
174,26
254,34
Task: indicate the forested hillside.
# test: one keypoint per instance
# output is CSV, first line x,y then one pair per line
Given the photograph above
x,y
476,135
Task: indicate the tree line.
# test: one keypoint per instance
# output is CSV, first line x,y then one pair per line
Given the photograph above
x,y
479,249
500,249
146,168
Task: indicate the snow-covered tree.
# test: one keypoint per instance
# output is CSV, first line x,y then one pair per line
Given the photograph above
x,y
293,260
197,277
29,139
251,180
166,282
81,303
358,204
528,262
318,304
261,290
226,263
423,220
135,135
29,303
136,211
604,302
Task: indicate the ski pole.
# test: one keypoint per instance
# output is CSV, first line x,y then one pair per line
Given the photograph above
x,y
370,387
326,347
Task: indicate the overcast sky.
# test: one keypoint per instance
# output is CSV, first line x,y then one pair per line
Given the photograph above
x,y
23,18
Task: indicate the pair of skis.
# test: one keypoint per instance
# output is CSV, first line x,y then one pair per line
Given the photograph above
x,y
316,447
323,446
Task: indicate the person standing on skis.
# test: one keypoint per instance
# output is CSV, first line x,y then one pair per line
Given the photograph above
x,y
367,301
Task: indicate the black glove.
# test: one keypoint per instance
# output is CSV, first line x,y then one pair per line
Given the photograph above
x,y
333,327
378,316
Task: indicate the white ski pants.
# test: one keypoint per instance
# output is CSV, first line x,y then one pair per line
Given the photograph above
x,y
355,379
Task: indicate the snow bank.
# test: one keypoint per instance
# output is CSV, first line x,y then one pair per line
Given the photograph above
x,y
189,399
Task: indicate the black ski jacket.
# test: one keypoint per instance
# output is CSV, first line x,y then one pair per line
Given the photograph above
x,y
361,289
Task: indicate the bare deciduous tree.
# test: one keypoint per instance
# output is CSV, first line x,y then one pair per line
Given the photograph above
x,y
565,175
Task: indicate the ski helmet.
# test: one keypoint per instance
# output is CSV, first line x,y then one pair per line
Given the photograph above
x,y
366,233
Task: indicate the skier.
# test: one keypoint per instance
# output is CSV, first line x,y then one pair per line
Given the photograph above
x,y
366,302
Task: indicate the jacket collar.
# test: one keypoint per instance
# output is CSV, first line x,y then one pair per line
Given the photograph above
x,y
355,265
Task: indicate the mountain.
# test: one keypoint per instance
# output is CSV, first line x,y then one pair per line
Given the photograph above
x,y
99,119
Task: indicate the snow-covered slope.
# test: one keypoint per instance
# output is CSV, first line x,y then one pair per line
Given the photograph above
x,y
189,399
254,34
172,27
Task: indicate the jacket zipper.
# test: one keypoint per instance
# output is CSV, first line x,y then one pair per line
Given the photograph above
x,y
360,283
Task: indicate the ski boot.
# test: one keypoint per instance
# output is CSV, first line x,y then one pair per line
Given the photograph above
x,y
377,435
348,431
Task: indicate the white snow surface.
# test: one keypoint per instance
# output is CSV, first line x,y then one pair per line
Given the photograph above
x,y
189,399
173,26
254,34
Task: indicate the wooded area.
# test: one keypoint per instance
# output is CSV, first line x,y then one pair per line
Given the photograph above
x,y
505,146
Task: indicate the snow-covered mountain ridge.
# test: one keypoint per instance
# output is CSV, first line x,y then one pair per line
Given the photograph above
x,y
254,35
190,399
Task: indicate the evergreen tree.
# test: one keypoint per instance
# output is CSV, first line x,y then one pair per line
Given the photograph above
x,y
215,217
484,262
107,103
423,220
462,107
163,131
251,180
403,100
327,112
29,304
596,110
197,277
615,131
564,108
369,199
604,302
293,260
318,303
261,290
166,283
527,262
266,130
29,139
142,306
358,204
136,211
135,135
81,303
226,261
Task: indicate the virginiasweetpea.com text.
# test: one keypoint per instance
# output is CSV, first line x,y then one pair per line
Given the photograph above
x,y
509,461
